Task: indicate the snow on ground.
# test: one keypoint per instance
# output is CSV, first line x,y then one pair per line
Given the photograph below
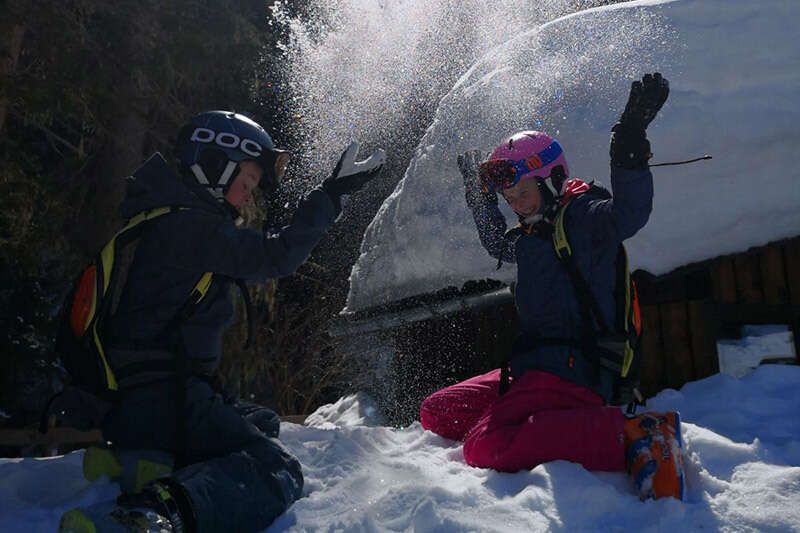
x,y
739,357
734,69
742,455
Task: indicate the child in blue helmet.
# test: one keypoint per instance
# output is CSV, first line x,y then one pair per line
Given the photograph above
x,y
215,465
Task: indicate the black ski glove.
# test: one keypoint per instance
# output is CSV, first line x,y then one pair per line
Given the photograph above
x,y
350,175
468,164
629,145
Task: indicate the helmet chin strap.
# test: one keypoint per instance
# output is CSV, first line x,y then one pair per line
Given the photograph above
x,y
217,192
231,169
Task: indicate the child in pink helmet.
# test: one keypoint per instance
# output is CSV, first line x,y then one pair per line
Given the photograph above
x,y
556,405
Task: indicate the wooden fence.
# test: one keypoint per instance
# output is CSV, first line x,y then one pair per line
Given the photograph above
x,y
686,311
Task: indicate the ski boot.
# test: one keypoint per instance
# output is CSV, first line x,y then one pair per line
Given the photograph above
x,y
653,447
153,510
132,469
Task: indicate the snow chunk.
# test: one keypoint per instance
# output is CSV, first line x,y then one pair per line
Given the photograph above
x,y
354,410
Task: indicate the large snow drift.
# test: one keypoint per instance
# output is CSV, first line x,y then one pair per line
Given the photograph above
x,y
734,68
742,451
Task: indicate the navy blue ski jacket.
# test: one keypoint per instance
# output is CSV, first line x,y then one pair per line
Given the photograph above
x,y
545,298
176,249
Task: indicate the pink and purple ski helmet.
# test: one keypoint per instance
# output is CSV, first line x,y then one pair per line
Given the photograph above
x,y
526,154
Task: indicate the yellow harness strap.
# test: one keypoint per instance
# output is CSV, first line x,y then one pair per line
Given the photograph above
x,y
107,257
563,251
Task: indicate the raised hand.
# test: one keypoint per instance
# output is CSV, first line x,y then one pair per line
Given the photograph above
x,y
350,175
629,145
469,163
645,100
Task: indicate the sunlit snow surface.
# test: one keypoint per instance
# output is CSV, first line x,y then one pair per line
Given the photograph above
x,y
742,456
734,69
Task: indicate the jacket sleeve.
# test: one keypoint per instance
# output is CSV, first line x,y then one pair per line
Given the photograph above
x,y
620,217
217,245
491,226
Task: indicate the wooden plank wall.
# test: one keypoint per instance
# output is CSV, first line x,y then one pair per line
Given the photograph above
x,y
680,325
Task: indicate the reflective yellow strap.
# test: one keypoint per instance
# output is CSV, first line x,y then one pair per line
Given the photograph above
x,y
560,242
110,379
627,359
107,255
107,263
201,288
628,295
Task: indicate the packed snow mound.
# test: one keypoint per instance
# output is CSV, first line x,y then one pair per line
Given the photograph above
x,y
350,411
738,357
734,71
742,458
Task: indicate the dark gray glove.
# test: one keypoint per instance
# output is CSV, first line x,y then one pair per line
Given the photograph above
x,y
350,175
629,145
468,164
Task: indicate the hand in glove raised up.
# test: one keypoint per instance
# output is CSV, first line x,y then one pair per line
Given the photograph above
x,y
350,175
645,100
469,164
629,145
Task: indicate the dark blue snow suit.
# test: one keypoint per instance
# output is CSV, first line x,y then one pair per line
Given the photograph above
x,y
545,298
236,473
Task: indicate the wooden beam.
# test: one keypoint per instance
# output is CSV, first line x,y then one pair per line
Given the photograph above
x,y
791,255
723,280
679,367
652,372
54,438
776,290
703,340
748,279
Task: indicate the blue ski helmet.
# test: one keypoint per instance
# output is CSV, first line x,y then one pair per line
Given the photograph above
x,y
210,147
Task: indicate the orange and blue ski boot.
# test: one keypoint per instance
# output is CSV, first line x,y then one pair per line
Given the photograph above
x,y
653,447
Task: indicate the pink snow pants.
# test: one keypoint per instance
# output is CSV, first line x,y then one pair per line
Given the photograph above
x,y
540,418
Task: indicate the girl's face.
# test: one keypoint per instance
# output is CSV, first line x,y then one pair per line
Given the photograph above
x,y
524,197
240,193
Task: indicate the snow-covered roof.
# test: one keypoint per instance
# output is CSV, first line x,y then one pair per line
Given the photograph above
x,y
734,70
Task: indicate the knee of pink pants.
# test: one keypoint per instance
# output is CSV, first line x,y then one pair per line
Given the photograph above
x,y
591,436
451,412
545,418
